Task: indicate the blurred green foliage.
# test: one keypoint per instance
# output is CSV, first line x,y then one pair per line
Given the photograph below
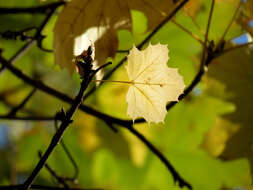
x,y
111,160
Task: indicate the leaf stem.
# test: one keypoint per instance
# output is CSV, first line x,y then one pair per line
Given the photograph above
x,y
234,48
113,81
195,23
206,36
230,23
194,36
132,82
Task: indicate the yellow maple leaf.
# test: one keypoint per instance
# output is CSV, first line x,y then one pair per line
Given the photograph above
x,y
153,84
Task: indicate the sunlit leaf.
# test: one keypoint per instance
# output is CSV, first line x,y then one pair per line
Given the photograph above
x,y
153,84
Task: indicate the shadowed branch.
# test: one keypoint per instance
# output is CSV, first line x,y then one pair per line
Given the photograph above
x,y
42,9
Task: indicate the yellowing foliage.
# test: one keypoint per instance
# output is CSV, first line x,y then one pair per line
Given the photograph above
x,y
153,83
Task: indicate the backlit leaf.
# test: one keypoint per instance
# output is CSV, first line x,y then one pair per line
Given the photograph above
x,y
153,84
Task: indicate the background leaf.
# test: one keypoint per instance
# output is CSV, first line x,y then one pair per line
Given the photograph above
x,y
234,72
79,15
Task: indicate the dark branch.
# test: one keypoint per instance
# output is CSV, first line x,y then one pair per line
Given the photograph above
x,y
38,37
14,35
27,118
31,10
19,53
86,79
41,86
42,187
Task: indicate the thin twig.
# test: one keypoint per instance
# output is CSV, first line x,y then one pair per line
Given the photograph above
x,y
37,38
42,187
206,36
70,157
230,23
31,10
167,19
11,105
54,174
73,162
195,23
58,135
234,48
13,35
19,53
194,36
22,104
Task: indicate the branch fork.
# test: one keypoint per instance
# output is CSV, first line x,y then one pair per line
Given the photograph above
x,y
67,119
